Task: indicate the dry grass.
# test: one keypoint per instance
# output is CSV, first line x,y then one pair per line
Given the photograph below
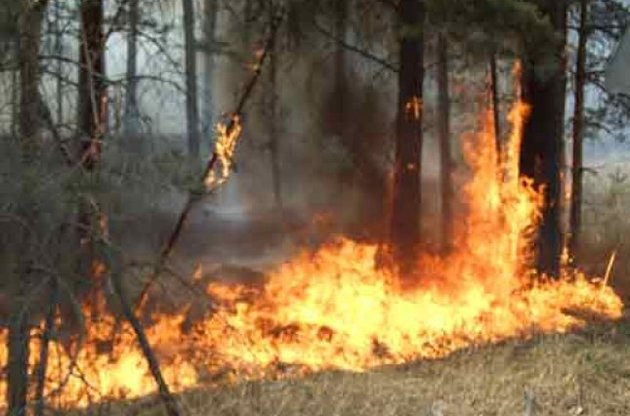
x,y
575,374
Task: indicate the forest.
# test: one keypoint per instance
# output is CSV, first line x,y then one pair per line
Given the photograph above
x,y
348,207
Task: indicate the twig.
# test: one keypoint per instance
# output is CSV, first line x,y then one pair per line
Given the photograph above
x,y
611,263
356,49
193,197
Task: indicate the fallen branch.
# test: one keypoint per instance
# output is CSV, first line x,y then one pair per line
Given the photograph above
x,y
163,390
194,196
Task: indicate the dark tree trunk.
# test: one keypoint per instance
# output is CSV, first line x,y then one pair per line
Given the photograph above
x,y
192,108
42,368
578,134
18,337
444,111
92,103
542,146
92,108
405,215
131,125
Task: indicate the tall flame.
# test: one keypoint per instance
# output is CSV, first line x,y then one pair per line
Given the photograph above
x,y
336,308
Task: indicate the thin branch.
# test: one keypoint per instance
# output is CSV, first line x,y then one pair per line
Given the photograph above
x,y
365,54
194,197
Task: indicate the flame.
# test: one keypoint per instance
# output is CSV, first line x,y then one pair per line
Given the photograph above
x,y
224,147
413,108
335,308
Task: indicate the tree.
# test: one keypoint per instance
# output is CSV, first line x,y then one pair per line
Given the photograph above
x,y
405,221
92,123
92,101
131,121
192,107
578,133
544,88
30,27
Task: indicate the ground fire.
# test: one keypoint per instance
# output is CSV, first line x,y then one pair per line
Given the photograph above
x,y
337,308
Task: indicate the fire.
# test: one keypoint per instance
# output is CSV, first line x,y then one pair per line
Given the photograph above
x,y
335,308
224,147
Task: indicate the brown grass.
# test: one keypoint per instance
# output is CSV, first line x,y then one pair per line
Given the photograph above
x,y
574,374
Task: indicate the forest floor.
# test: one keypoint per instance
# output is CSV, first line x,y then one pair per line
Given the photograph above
x,y
587,373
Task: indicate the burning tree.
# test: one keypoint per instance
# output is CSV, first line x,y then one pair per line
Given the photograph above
x,y
331,305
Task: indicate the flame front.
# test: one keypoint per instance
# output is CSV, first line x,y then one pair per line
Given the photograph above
x,y
336,308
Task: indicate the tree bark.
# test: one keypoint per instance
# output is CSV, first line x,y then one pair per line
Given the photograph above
x,y
30,28
578,135
92,107
444,110
405,215
131,121
92,88
542,145
192,107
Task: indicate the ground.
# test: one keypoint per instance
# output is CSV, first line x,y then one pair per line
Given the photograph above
x,y
572,374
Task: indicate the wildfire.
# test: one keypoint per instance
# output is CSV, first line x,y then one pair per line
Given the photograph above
x,y
224,147
336,308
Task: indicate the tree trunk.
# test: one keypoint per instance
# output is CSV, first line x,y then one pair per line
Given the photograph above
x,y
405,215
92,107
578,134
210,28
444,110
58,50
30,28
542,145
192,109
92,89
131,121
42,368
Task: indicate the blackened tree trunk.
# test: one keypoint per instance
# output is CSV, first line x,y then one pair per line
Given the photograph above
x,y
541,150
92,103
30,27
405,215
92,122
131,120
578,134
192,107
444,111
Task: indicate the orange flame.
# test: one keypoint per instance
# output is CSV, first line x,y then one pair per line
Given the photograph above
x,y
336,309
224,148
